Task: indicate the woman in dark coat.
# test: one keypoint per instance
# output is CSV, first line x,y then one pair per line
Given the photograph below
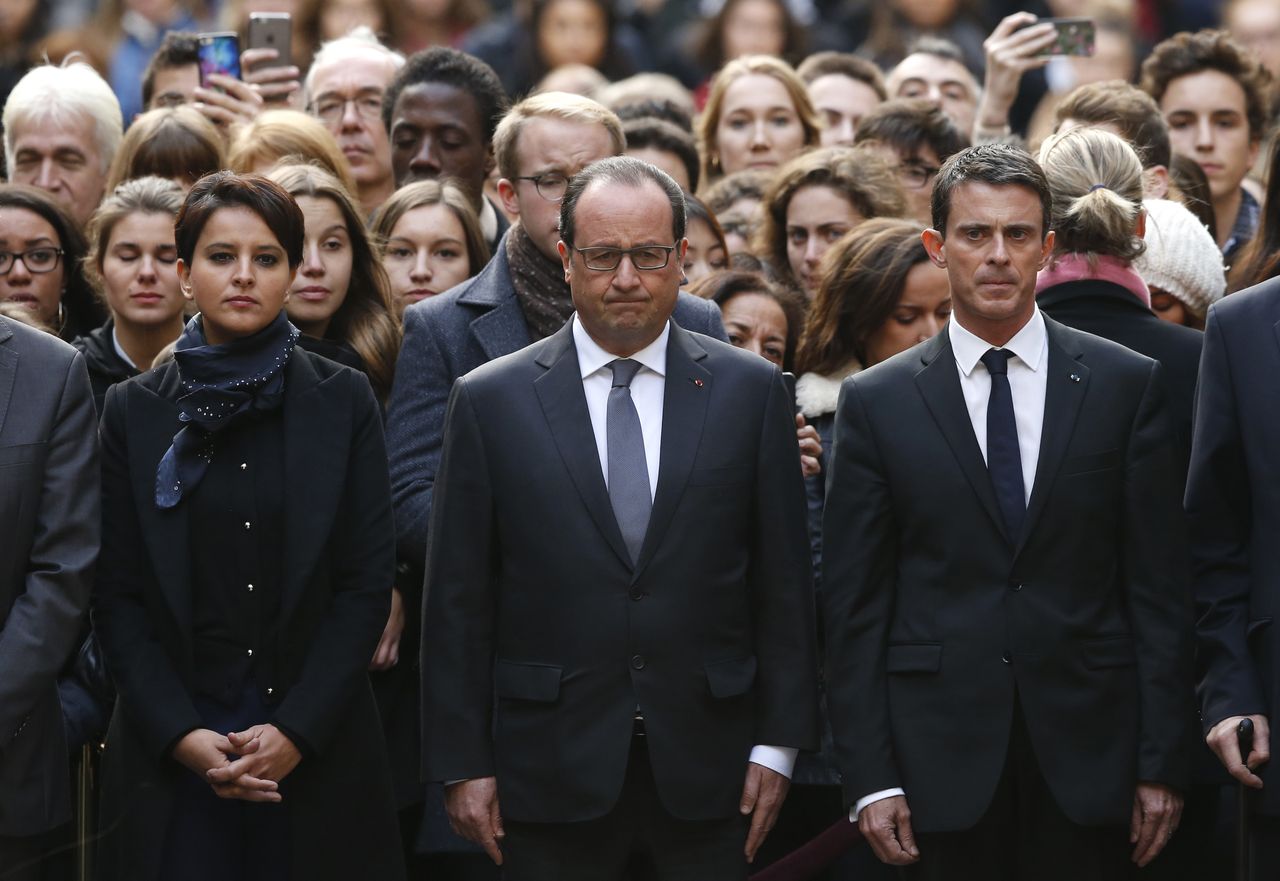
x,y
245,580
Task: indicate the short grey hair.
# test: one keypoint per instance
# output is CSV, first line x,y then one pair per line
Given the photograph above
x,y
58,94
360,40
628,171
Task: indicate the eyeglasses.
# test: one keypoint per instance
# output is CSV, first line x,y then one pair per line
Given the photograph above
x,y
645,257
551,185
331,110
916,174
37,260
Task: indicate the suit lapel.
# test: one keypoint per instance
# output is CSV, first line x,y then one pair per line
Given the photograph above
x,y
1065,388
688,388
8,370
315,462
501,329
152,423
939,384
564,404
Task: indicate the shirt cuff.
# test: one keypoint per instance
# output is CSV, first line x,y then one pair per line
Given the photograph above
x,y
776,758
870,799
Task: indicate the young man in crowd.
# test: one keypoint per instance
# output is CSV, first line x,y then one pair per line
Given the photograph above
x,y
440,112
935,72
918,137
844,89
173,74
345,88
1213,94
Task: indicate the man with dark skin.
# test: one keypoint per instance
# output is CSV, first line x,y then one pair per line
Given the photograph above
x,y
440,112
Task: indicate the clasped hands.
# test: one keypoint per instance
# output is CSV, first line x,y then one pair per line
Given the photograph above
x,y
247,765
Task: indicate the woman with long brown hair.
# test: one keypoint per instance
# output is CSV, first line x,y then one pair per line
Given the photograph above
x,y
341,299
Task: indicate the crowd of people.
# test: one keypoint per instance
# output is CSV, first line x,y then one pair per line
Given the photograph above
x,y
385,496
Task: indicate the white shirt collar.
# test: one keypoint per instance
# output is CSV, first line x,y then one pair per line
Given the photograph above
x,y
488,219
1027,344
115,341
592,358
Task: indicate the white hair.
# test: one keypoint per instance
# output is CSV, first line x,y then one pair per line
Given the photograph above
x,y
360,41
59,94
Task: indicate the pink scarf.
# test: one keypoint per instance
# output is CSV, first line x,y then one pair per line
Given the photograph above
x,y
1075,267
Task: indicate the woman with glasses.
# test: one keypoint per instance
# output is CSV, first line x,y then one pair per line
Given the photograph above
x,y
245,579
431,240
814,201
916,137
40,263
132,264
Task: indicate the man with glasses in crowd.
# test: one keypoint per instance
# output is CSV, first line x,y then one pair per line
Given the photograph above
x,y
345,89
918,137
640,600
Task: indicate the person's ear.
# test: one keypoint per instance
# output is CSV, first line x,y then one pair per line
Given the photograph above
x,y
184,279
507,193
1155,182
1046,249
566,259
935,246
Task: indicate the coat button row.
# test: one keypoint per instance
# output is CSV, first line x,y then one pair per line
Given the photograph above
x,y
637,662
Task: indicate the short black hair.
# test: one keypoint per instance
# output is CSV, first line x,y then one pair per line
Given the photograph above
x,y
441,64
996,164
907,124
625,170
226,189
658,134
655,108
178,49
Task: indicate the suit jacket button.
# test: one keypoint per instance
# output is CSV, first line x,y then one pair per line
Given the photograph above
x,y
1005,657
1015,587
636,593
637,662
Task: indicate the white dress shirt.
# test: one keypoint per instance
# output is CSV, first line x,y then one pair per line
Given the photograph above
x,y
1028,381
648,392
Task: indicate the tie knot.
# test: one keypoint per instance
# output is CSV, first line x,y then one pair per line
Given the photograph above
x,y
624,370
997,361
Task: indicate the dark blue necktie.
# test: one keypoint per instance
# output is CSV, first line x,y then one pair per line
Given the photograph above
x,y
1004,460
628,470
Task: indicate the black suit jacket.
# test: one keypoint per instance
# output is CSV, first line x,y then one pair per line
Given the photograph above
x,y
1233,505
1111,312
338,563
532,599
445,337
935,618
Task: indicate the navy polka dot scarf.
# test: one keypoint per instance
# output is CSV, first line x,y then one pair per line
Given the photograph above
x,y
219,385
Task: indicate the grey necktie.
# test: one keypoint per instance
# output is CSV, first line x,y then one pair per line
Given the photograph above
x,y
628,470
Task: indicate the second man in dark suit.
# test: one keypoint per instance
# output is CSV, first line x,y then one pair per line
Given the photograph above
x,y
1008,641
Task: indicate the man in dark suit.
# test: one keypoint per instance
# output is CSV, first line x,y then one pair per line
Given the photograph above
x,y
618,554
50,522
1008,643
519,298
1234,517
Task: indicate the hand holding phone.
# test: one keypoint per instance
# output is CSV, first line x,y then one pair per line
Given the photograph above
x,y
218,53
1075,37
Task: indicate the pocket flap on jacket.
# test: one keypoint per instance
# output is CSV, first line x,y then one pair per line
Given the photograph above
x,y
528,682
1091,462
1113,651
732,677
914,657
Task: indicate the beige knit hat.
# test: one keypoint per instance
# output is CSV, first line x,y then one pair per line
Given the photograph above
x,y
1181,257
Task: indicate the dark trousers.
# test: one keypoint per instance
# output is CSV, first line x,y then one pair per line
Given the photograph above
x,y
638,832
1024,836
215,839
